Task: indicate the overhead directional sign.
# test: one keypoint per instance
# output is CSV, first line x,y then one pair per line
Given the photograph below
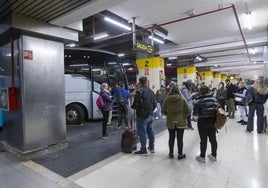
x,y
144,47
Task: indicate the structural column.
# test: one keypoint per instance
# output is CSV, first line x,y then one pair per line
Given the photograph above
x,y
186,73
153,69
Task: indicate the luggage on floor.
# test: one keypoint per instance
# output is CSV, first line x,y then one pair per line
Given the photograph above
x,y
129,137
129,140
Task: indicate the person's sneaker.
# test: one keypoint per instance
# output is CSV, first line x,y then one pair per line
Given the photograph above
x,y
211,157
182,156
105,137
156,117
141,152
191,128
244,123
163,117
200,159
151,150
241,121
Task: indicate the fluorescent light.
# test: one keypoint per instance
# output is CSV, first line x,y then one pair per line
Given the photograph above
x,y
249,20
121,55
117,23
78,65
173,58
100,36
112,63
71,45
157,40
252,51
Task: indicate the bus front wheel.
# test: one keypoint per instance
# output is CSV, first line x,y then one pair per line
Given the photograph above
x,y
74,114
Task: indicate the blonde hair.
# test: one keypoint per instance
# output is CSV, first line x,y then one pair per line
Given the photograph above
x,y
259,86
104,85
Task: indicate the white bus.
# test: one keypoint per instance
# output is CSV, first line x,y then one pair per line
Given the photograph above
x,y
85,71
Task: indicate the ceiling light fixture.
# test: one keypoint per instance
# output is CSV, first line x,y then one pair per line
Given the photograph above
x,y
71,45
252,51
101,36
157,40
249,20
117,23
170,58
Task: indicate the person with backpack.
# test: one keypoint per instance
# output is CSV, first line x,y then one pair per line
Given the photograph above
x,y
122,99
160,95
108,101
205,108
144,103
177,109
256,98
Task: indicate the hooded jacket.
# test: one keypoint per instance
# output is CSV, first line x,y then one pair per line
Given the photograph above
x,y
177,109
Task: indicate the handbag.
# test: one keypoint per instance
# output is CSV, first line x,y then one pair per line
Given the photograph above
x,y
221,118
238,99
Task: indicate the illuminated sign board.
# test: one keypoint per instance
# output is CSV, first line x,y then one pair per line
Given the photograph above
x,y
144,47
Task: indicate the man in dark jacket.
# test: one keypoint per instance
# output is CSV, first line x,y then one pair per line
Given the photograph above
x,y
144,103
230,103
205,108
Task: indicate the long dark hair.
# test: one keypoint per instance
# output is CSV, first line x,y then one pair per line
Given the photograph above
x,y
204,90
175,90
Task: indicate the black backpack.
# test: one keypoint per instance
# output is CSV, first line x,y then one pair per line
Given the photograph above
x,y
121,99
259,98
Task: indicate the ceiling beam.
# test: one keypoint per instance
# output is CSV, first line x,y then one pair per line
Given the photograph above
x,y
89,9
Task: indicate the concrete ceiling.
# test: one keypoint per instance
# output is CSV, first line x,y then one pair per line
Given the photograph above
x,y
214,29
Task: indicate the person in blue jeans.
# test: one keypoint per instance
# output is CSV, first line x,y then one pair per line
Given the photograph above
x,y
144,103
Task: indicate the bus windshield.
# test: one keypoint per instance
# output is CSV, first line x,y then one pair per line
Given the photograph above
x,y
97,66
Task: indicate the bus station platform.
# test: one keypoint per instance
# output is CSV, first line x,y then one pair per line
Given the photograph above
x,y
241,162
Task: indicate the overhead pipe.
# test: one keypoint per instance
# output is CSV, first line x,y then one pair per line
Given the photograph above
x,y
232,6
240,29
134,32
213,11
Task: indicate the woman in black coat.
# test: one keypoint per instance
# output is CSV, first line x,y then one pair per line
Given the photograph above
x,y
205,108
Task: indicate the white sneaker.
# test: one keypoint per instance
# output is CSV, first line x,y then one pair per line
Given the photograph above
x,y
163,117
211,157
200,159
156,117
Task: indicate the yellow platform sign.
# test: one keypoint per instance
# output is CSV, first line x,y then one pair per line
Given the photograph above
x,y
147,63
186,70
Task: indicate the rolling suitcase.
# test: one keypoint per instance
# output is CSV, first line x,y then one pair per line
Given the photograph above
x,y
129,137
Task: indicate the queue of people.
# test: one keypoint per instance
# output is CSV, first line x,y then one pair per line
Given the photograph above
x,y
178,105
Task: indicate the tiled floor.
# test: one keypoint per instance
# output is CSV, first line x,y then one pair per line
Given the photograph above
x,y
242,162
